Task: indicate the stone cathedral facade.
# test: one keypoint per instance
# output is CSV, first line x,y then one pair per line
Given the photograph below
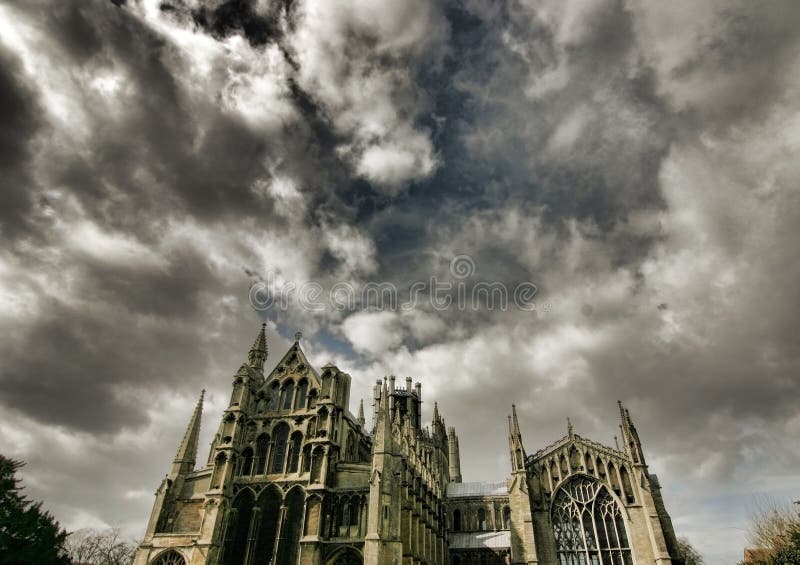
x,y
294,478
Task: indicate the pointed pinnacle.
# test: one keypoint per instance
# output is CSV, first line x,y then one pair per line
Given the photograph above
x,y
570,429
187,451
361,411
514,419
258,353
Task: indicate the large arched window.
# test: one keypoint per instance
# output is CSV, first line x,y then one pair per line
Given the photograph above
x,y
588,525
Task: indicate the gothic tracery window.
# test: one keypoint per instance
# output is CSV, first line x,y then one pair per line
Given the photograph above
x,y
588,525
170,558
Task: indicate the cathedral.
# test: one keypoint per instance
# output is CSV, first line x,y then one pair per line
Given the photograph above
x,y
293,477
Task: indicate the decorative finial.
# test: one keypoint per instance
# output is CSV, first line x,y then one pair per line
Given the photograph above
x,y
570,430
616,442
298,335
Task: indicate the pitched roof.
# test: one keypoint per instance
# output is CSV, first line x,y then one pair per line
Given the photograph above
x,y
301,356
480,540
458,490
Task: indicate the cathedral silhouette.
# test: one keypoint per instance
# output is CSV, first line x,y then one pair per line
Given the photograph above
x,y
293,477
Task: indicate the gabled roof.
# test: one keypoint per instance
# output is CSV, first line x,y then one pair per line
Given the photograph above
x,y
302,359
480,540
462,490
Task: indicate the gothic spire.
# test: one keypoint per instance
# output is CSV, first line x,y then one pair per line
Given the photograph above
x,y
630,437
435,412
361,419
516,449
570,429
514,420
258,353
187,451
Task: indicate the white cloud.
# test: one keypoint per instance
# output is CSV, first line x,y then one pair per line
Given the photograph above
x,y
373,332
393,163
374,102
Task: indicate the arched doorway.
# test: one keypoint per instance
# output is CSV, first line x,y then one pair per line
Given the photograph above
x,y
588,524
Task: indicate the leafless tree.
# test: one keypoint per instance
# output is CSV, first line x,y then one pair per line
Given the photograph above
x,y
772,524
99,547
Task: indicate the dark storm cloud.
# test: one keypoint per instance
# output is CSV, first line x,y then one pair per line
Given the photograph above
x,y
86,350
748,54
241,16
203,165
18,112
497,138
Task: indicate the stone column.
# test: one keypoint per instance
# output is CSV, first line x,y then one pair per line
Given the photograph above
x,y
279,533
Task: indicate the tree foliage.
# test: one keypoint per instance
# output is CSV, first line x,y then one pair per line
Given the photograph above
x,y
28,535
99,547
688,553
775,531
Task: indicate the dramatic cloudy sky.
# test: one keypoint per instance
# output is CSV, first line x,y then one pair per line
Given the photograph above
x,y
636,160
